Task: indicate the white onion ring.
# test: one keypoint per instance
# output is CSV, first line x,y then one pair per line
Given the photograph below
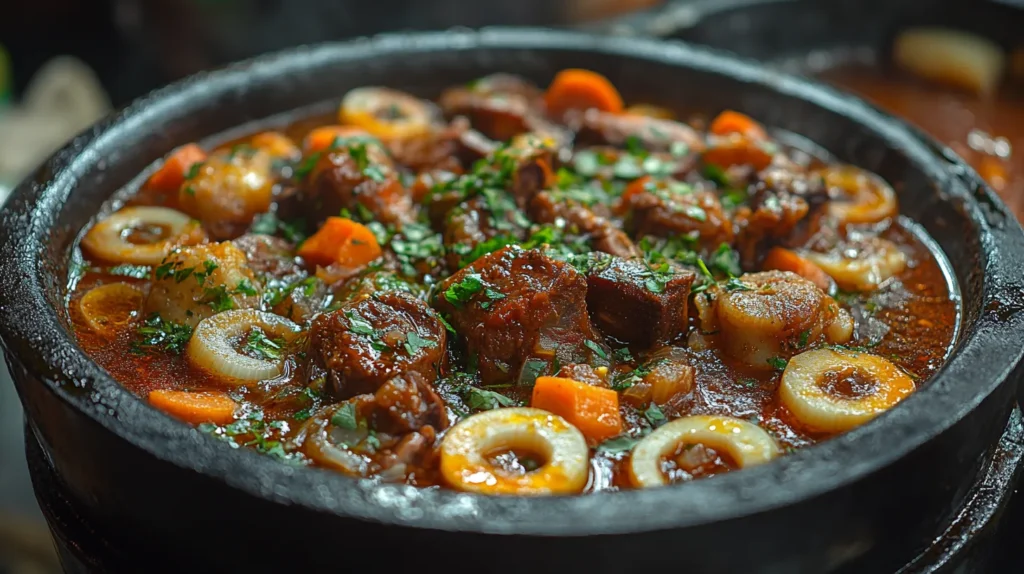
x,y
106,239
803,395
465,447
746,443
213,346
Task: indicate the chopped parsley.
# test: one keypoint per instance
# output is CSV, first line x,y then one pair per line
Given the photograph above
x,y
346,417
726,260
804,336
263,436
716,175
155,333
258,345
360,326
218,298
276,294
734,284
778,363
596,349
654,415
460,292
623,355
208,268
482,399
170,269
617,445
623,381
532,369
244,287
414,343
193,171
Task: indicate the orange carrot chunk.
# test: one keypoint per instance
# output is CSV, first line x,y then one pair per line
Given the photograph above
x,y
593,410
576,89
195,407
171,174
783,259
730,122
341,241
323,137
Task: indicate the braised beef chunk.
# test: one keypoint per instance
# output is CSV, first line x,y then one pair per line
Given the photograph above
x,y
781,202
406,404
473,223
369,341
602,233
356,177
517,308
667,209
500,106
270,257
594,127
450,148
636,304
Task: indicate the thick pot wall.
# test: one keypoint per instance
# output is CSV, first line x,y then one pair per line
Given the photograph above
x,y
865,501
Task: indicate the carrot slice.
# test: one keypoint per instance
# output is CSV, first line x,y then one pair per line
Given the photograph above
x,y
593,410
785,260
731,122
195,407
171,174
342,241
576,89
322,137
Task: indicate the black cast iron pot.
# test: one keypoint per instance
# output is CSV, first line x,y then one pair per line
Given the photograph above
x,y
171,498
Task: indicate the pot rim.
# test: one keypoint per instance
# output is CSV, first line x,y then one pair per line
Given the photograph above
x,y
981,361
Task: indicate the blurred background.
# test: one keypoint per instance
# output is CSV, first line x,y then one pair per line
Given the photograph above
x,y
66,63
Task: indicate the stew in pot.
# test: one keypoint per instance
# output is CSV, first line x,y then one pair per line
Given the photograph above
x,y
513,290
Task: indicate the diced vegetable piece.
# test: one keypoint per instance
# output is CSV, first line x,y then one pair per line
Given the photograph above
x,y
782,259
638,394
171,174
195,407
322,137
341,241
731,122
593,410
576,89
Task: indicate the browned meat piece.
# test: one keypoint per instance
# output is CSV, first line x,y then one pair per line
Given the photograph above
x,y
451,148
359,176
665,209
474,222
777,213
406,404
516,308
522,169
594,127
270,257
605,236
508,85
636,304
496,116
375,281
367,342
583,373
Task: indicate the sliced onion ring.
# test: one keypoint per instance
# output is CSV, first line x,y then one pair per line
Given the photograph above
x,y
746,443
106,240
465,448
214,345
109,308
316,439
802,393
